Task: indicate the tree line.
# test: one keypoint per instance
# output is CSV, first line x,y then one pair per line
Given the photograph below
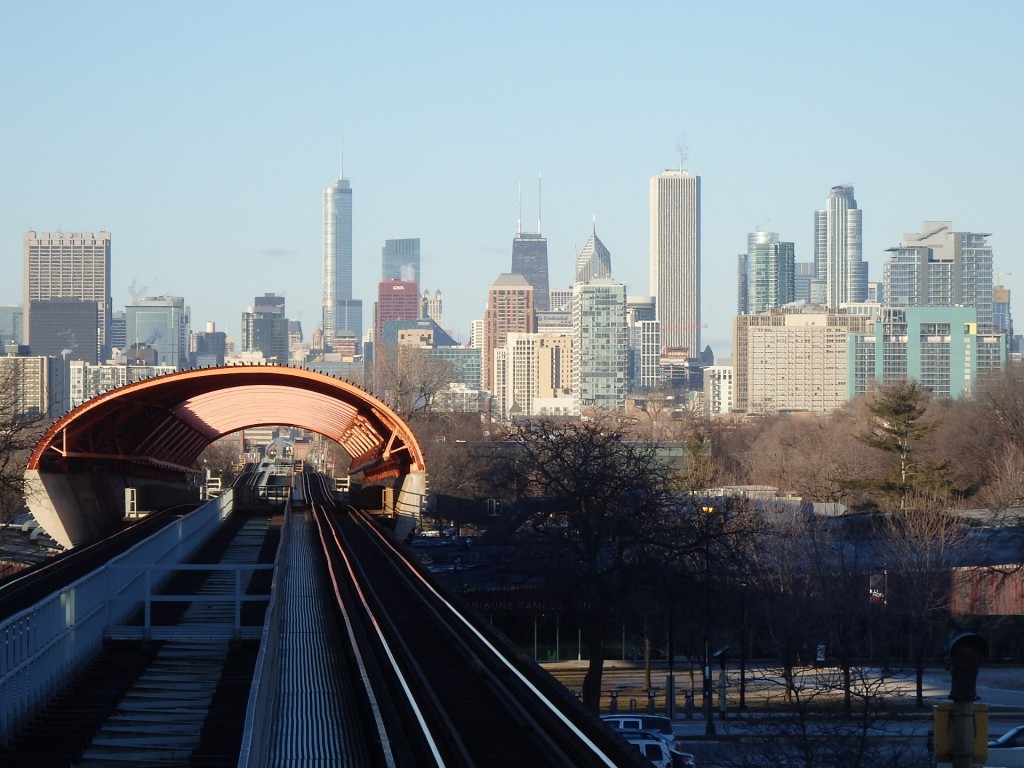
x,y
635,530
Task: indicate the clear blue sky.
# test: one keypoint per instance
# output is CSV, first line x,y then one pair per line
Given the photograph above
x,y
202,134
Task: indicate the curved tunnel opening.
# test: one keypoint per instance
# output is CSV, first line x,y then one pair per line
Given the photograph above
x,y
149,435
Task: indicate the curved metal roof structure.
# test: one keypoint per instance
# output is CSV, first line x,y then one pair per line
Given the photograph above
x,y
142,441
158,427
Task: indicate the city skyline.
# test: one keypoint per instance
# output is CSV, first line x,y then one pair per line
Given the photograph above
x,y
177,138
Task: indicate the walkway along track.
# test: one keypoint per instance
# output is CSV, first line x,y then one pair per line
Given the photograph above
x,y
449,694
163,702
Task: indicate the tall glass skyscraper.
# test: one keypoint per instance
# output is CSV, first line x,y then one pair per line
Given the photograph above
x,y
675,258
773,275
342,315
162,324
744,270
400,260
841,272
530,258
601,350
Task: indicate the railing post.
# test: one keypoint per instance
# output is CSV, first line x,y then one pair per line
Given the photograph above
x,y
237,633
147,629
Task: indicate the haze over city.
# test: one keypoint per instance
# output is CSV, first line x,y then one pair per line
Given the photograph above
x,y
201,136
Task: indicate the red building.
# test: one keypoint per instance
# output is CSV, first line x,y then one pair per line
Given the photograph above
x,y
396,300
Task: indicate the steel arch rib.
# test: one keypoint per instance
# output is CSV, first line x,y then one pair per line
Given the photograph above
x,y
168,420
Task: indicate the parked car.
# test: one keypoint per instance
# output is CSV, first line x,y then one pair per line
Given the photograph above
x,y
1012,739
653,725
677,758
653,749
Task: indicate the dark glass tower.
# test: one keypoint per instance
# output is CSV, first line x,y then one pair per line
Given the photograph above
x,y
530,259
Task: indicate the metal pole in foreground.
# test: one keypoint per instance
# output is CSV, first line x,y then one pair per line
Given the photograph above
x,y
966,651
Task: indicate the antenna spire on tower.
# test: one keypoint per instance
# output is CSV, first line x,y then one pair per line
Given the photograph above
x,y
519,219
341,162
539,230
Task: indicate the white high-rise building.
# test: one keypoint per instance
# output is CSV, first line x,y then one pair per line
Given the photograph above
x,y
64,265
533,375
342,315
675,258
718,390
431,306
842,273
788,359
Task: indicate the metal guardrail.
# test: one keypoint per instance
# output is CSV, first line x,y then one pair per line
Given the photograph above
x,y
208,629
42,646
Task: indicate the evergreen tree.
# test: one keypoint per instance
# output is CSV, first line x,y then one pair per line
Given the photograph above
x,y
897,425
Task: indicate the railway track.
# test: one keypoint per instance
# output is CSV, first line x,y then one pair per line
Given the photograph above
x,y
451,694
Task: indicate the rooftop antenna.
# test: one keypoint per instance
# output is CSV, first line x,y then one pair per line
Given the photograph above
x,y
539,230
341,161
519,220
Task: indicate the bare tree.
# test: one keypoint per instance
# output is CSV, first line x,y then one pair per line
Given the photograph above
x,y
812,457
920,546
604,525
788,600
1004,396
408,378
1005,487
457,454
21,427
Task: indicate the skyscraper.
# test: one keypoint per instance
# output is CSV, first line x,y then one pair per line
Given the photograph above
x,y
841,272
675,258
594,260
342,315
533,373
400,260
942,348
11,317
644,343
431,305
744,271
265,328
162,324
530,259
65,327
940,267
510,309
396,300
773,275
601,348
68,265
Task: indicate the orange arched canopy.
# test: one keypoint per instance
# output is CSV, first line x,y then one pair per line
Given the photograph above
x,y
159,426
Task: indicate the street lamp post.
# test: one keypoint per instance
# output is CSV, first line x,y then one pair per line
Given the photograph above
x,y
709,726
670,684
743,646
